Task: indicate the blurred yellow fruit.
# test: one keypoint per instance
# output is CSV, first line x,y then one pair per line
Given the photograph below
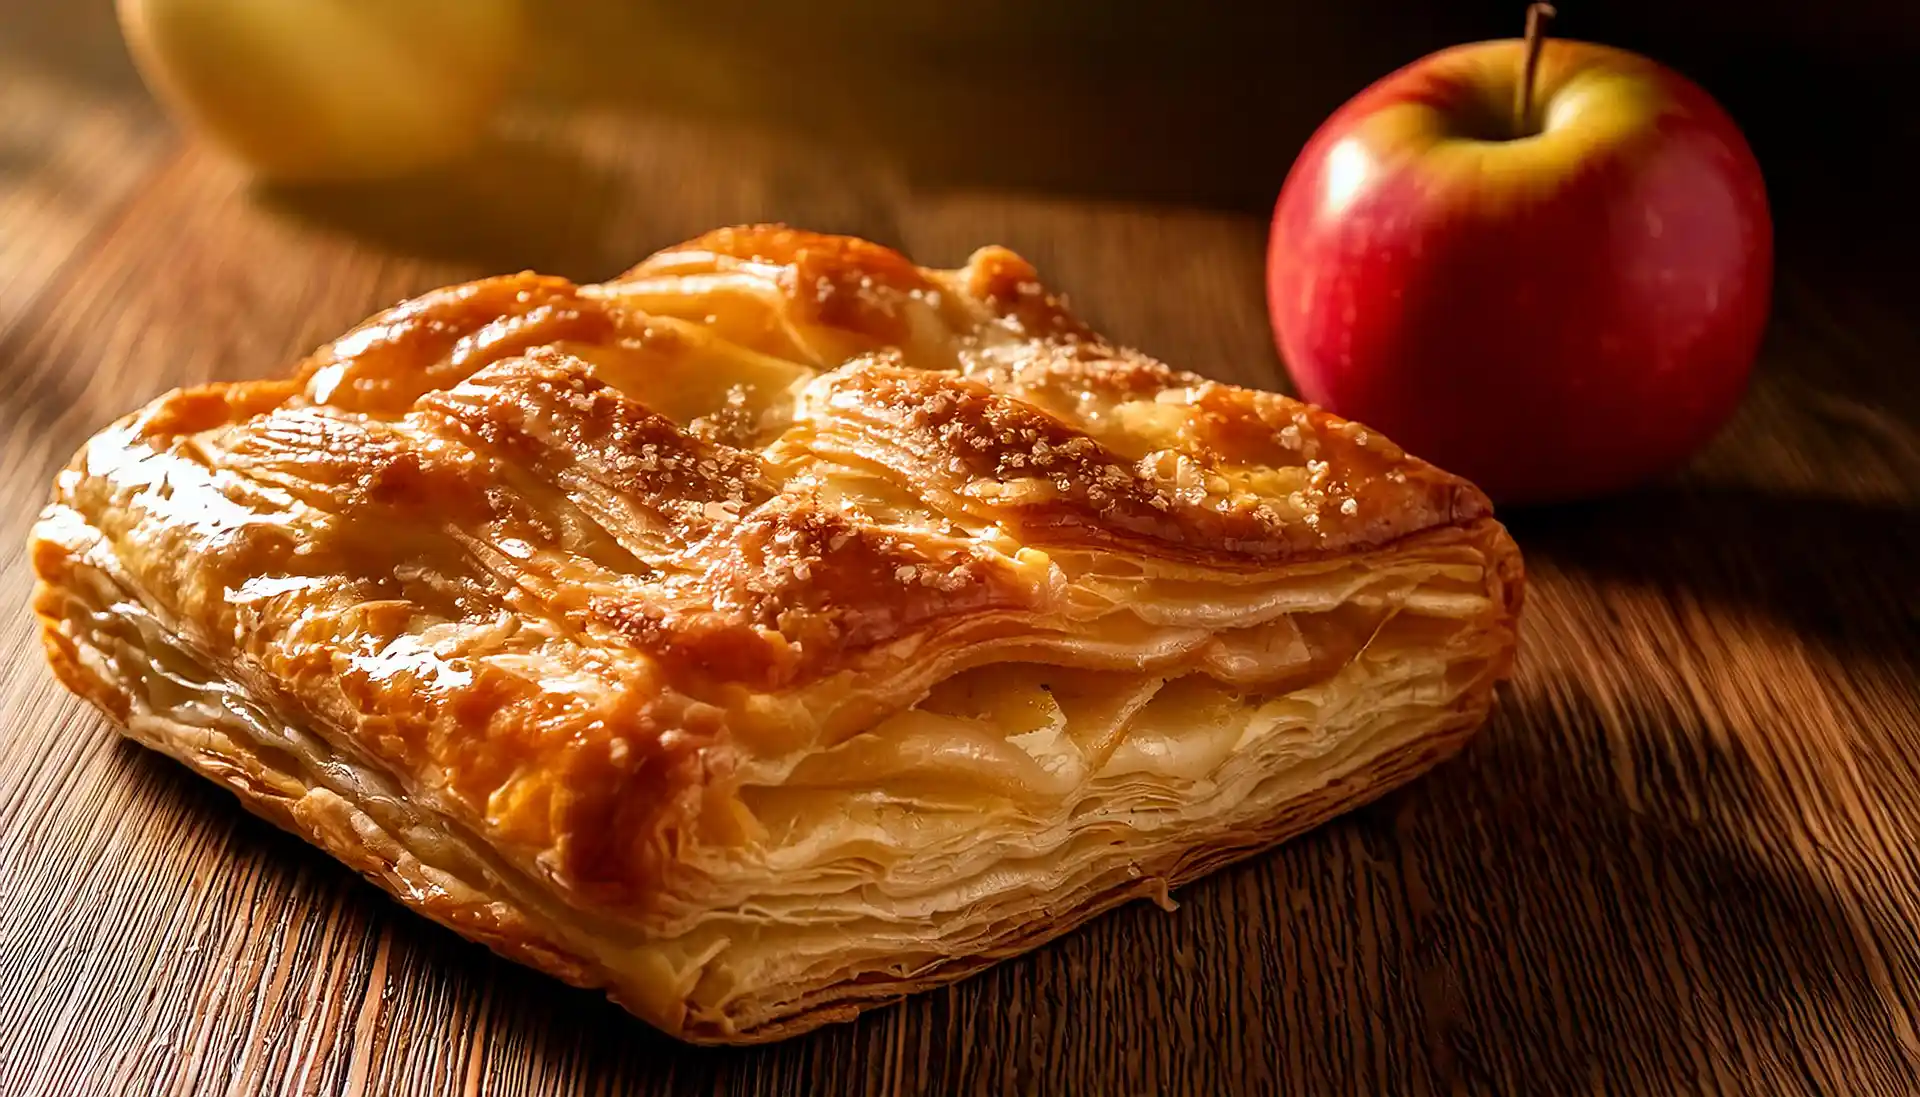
x,y
329,89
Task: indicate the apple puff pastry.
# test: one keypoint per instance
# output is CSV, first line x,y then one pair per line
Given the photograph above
x,y
777,628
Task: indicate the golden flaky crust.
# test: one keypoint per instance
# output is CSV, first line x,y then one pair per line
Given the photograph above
x,y
685,634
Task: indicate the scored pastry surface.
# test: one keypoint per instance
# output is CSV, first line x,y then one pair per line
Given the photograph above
x,y
774,629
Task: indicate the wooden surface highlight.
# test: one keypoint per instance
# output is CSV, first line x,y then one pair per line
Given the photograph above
x,y
1681,859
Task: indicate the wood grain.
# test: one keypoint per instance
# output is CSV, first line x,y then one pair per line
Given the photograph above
x,y
1681,859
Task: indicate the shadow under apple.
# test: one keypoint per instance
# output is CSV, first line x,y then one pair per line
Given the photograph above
x,y
1843,573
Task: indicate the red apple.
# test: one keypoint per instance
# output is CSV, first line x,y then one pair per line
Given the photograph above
x,y
1553,306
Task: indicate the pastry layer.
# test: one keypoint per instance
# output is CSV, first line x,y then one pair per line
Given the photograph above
x,y
776,629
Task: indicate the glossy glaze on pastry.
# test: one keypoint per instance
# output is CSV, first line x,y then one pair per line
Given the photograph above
x,y
776,629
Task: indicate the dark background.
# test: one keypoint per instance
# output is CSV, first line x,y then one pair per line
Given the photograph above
x,y
983,92
1202,103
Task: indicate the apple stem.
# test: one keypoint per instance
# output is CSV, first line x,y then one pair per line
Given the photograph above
x,y
1538,15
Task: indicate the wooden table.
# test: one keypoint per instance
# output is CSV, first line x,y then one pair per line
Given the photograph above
x,y
1681,858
